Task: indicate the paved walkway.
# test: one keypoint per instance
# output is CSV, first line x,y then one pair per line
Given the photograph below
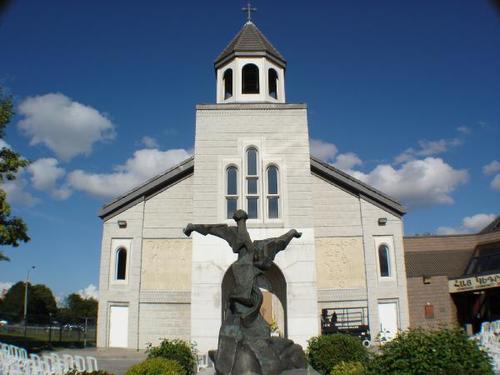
x,y
115,361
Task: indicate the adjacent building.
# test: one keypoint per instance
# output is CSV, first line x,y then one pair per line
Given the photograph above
x,y
454,280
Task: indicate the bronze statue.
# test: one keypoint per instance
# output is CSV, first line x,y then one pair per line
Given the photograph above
x,y
245,344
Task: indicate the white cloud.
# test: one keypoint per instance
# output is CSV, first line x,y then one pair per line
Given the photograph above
x,y
4,144
143,165
416,183
427,148
16,191
492,167
4,286
149,142
447,231
465,130
45,174
495,184
322,150
470,224
347,161
90,291
65,126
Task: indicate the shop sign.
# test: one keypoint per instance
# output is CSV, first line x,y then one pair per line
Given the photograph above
x,y
474,283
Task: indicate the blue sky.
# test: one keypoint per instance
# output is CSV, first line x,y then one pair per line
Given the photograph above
x,y
404,95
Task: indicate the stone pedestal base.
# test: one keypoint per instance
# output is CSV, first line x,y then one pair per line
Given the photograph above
x,y
309,371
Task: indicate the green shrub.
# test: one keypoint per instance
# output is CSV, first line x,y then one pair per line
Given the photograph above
x,y
325,352
180,351
156,366
439,352
349,368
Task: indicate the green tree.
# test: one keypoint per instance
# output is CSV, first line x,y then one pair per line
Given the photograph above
x,y
41,303
13,230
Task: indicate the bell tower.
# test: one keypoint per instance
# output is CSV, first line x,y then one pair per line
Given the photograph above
x,y
250,69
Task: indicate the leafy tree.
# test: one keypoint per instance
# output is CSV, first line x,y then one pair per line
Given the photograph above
x,y
78,308
41,303
12,229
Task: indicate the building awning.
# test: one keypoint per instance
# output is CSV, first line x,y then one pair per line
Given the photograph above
x,y
473,283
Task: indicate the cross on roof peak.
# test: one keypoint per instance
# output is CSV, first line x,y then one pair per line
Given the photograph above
x,y
249,9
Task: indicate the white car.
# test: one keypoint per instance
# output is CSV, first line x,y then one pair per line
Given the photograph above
x,y
3,323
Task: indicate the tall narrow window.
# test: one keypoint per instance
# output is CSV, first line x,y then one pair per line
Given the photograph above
x,y
252,180
228,83
231,191
250,79
272,78
273,198
121,264
384,260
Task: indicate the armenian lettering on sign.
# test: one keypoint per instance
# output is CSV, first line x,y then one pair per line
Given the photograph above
x,y
474,283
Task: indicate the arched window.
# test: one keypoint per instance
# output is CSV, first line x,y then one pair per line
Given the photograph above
x,y
272,79
384,260
228,83
231,191
121,264
252,181
250,79
273,197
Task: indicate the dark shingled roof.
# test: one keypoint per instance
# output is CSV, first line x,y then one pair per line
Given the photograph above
x,y
249,42
450,263
494,226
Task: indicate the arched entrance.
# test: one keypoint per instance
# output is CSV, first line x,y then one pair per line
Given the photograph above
x,y
273,286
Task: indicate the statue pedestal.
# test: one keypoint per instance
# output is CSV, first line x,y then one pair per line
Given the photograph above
x,y
309,371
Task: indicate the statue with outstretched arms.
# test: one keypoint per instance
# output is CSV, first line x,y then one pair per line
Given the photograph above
x,y
245,345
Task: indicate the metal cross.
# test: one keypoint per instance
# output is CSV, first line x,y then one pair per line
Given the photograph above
x,y
249,10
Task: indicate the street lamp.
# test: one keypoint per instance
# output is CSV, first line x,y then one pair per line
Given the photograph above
x,y
26,297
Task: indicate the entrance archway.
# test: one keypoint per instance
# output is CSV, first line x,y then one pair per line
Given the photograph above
x,y
273,281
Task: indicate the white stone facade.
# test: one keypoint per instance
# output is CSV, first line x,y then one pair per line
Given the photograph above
x,y
173,285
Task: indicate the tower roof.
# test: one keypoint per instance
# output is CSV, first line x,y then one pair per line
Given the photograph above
x,y
250,42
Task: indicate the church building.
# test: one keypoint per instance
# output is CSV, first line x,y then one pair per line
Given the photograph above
x,y
345,274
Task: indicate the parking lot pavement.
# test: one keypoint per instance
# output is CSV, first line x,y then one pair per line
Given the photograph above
x,y
115,361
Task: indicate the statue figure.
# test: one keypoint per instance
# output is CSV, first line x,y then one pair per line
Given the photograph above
x,y
245,344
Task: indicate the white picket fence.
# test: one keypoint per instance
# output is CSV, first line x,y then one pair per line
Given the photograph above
x,y
15,361
488,339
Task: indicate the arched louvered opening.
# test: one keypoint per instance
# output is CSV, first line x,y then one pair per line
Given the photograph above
x,y
272,78
250,79
228,83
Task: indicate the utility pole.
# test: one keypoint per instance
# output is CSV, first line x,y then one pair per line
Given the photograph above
x,y
26,299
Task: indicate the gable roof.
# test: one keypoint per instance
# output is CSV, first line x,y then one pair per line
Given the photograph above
x,y
356,186
186,168
494,226
248,42
148,188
